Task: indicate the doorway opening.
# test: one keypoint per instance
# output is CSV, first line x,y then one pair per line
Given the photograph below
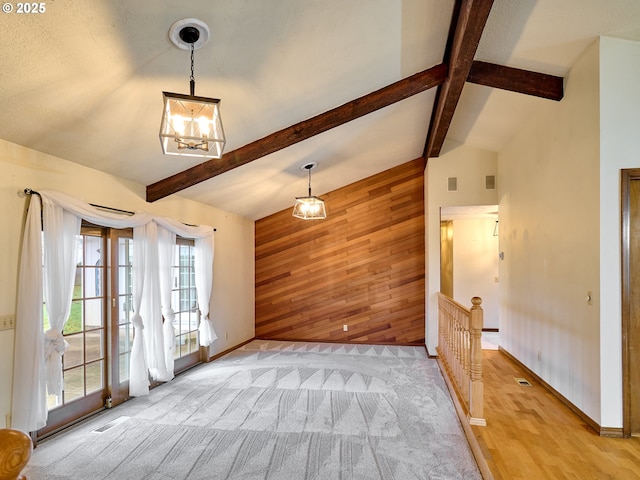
x,y
630,210
469,265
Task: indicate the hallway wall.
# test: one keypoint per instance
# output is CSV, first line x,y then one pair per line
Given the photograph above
x,y
619,148
548,183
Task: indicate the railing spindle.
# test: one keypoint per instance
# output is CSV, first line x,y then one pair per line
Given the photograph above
x,y
460,351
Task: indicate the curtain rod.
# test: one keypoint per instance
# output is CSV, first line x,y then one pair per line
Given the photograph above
x,y
29,191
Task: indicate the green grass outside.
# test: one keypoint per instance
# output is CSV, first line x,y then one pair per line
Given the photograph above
x,y
74,322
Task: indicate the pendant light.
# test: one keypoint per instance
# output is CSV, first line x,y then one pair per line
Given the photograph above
x,y
310,207
191,125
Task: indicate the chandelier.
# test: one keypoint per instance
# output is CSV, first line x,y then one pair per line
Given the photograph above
x,y
191,125
310,207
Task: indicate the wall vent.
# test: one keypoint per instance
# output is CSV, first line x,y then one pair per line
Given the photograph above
x,y
452,184
490,182
522,381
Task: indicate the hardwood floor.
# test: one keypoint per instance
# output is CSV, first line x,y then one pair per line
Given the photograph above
x,y
530,434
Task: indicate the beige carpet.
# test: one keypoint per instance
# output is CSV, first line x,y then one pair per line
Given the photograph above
x,y
277,410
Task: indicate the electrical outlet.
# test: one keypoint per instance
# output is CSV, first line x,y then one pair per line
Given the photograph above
x,y
7,322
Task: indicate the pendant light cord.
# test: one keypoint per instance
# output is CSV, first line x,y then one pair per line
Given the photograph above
x,y
192,78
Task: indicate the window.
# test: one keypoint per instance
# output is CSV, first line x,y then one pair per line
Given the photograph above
x,y
185,305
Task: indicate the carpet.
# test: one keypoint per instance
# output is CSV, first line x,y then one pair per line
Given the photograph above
x,y
276,410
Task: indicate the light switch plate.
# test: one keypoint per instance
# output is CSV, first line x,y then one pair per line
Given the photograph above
x,y
7,322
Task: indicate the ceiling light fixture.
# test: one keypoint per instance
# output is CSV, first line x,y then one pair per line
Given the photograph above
x,y
191,126
309,208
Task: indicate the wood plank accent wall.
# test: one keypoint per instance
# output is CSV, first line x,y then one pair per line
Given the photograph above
x,y
364,266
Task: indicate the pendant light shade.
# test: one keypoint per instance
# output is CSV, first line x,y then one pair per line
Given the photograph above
x,y
191,126
310,207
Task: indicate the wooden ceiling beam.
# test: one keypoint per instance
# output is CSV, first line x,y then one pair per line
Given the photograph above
x,y
286,137
471,20
517,80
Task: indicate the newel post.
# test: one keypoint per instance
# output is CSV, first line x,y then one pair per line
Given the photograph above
x,y
476,386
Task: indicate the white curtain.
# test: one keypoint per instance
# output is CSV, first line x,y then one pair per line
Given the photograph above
x,y
151,306
138,371
150,354
60,233
29,398
166,244
204,251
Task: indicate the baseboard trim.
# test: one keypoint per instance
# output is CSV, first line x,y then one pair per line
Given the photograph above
x,y
602,431
611,432
229,350
419,343
429,355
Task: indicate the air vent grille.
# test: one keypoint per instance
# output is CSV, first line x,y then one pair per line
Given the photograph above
x,y
111,424
490,182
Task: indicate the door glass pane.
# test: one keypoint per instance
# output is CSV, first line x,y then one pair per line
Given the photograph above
x,y
74,322
73,384
94,345
125,306
94,373
124,367
75,354
93,309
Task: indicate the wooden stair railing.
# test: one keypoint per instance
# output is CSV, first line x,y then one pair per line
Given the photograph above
x,y
15,452
460,352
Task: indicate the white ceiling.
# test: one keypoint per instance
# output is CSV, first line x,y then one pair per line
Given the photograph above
x,y
83,81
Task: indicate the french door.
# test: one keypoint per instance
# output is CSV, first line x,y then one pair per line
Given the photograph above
x,y
187,352
84,364
121,308
99,329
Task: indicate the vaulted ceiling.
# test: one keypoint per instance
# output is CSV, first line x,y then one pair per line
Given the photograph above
x,y
357,86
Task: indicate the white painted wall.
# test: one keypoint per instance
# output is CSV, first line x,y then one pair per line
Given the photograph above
x,y
548,181
232,306
470,166
475,266
619,148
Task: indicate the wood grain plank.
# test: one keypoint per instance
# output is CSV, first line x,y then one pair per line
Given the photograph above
x,y
363,267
